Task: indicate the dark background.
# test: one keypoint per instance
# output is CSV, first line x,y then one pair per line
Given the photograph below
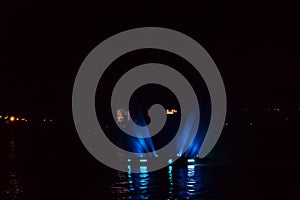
x,y
255,46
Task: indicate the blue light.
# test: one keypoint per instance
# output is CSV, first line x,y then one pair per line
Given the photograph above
x,y
170,170
188,124
129,171
143,169
144,178
170,175
141,144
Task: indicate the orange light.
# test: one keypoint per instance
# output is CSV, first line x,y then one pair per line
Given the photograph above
x,y
12,118
171,112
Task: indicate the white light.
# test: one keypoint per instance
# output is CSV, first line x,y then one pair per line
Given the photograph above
x,y
191,160
178,155
143,160
191,166
191,182
170,161
129,160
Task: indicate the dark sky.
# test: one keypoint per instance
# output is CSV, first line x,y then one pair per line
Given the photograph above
x,y
255,46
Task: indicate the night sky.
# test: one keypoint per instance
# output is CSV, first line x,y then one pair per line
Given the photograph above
x,y
255,46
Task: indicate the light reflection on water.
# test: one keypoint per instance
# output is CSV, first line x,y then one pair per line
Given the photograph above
x,y
173,182
12,188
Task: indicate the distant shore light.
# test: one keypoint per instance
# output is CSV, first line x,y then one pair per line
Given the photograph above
x,y
12,118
